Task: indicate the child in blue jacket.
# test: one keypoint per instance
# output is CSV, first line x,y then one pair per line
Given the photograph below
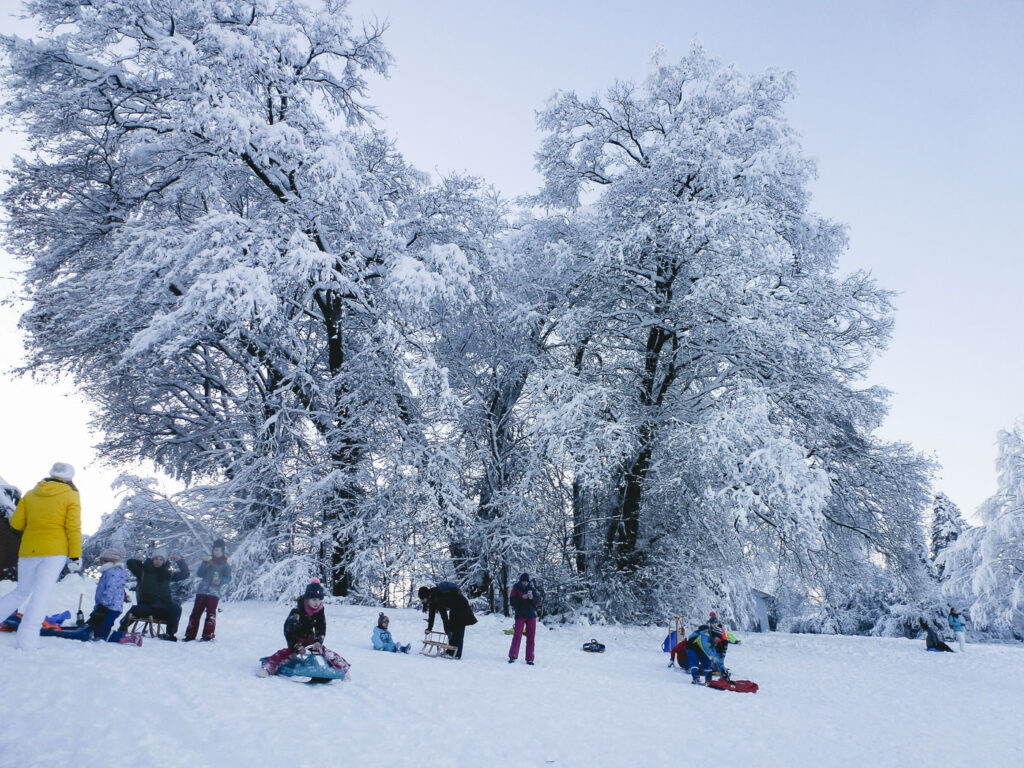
x,y
109,594
701,652
382,638
956,623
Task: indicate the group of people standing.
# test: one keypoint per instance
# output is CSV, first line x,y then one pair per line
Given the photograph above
x,y
49,517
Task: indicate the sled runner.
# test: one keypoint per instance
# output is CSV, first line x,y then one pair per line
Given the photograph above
x,y
676,633
143,624
313,666
436,644
739,686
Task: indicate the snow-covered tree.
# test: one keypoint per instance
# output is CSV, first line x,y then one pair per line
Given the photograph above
x,y
998,582
149,518
947,525
720,345
213,258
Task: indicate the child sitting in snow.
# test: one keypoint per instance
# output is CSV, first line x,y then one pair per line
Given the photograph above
x,y
304,631
382,638
109,594
109,601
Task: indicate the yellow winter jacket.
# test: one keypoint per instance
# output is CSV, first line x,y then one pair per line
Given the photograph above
x,y
51,517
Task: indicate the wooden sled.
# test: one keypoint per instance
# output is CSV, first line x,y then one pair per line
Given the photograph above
x,y
144,624
436,644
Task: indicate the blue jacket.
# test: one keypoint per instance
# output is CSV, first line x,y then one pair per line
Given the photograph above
x,y
382,640
214,574
701,643
526,608
110,590
956,623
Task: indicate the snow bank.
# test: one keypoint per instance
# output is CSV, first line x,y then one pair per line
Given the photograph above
x,y
824,700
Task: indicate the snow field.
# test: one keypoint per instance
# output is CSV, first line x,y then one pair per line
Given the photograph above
x,y
825,700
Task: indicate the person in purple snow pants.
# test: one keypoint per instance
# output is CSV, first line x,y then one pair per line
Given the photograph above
x,y
524,599
214,572
304,631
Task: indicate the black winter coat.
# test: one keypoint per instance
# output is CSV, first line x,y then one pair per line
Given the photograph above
x,y
154,586
300,626
452,605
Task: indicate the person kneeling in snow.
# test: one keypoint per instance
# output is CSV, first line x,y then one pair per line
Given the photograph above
x,y
382,638
109,595
701,653
304,631
931,638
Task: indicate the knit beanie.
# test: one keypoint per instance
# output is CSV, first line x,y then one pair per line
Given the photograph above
x,y
219,544
382,619
314,590
62,471
159,553
524,577
112,555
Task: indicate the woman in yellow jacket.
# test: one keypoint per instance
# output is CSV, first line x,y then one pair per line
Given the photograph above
x,y
51,517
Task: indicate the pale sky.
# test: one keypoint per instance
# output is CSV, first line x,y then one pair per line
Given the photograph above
x,y
913,111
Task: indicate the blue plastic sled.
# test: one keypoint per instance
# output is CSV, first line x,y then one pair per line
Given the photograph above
x,y
313,666
670,642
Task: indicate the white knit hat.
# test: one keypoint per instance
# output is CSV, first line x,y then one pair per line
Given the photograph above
x,y
62,471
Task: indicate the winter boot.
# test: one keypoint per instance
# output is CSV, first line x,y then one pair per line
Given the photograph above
x,y
511,660
167,636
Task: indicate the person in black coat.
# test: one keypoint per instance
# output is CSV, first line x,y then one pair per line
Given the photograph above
x,y
447,599
931,639
154,591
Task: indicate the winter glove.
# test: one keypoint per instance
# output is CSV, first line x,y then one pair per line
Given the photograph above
x,y
74,565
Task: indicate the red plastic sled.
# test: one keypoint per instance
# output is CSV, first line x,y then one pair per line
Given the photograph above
x,y
740,686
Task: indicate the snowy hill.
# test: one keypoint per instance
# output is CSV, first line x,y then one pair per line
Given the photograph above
x,y
824,700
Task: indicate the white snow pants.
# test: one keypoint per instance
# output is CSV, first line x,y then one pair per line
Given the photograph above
x,y
36,577
960,639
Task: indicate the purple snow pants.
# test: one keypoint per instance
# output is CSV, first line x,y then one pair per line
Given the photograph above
x,y
206,603
517,635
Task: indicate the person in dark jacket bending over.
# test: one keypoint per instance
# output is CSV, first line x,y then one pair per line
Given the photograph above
x,y
524,600
456,615
154,591
214,573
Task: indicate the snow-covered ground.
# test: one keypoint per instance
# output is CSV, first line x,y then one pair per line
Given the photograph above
x,y
824,701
